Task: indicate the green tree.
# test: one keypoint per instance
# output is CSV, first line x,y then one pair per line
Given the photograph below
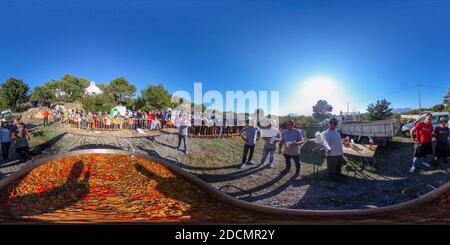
x,y
122,91
300,121
322,110
13,93
3,105
154,97
71,88
74,87
365,117
43,93
101,102
447,100
380,110
438,108
94,104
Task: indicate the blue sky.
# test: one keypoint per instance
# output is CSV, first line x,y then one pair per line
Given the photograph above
x,y
342,51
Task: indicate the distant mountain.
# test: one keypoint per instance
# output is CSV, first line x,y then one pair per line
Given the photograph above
x,y
401,110
293,115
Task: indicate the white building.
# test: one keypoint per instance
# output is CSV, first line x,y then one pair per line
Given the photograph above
x,y
92,89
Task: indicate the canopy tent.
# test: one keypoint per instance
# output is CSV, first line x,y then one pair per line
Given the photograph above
x,y
118,110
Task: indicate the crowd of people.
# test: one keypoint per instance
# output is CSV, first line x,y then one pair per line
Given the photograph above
x,y
131,120
200,123
290,141
14,135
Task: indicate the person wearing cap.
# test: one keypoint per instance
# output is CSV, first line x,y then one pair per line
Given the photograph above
x,y
271,139
291,142
250,134
422,142
441,133
5,139
333,150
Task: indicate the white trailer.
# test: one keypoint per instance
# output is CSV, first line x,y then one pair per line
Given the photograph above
x,y
380,132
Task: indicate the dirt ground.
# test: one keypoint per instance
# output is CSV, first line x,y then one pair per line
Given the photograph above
x,y
389,182
217,160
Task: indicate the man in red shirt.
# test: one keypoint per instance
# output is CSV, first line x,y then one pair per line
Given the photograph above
x,y
422,142
45,115
150,117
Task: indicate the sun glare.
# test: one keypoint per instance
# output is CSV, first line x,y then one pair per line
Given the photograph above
x,y
310,90
320,85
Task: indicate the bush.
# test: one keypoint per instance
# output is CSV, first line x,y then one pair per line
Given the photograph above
x,y
300,121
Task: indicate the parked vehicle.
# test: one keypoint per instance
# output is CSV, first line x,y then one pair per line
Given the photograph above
x,y
406,128
380,132
435,121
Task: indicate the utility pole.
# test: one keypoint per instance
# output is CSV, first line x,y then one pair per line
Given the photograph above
x,y
348,105
420,103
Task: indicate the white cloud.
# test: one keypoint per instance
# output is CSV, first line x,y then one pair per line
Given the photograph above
x,y
306,94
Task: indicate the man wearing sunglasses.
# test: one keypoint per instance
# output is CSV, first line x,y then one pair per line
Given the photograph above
x,y
334,151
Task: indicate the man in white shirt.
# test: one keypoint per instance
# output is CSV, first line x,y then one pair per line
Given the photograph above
x,y
334,151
